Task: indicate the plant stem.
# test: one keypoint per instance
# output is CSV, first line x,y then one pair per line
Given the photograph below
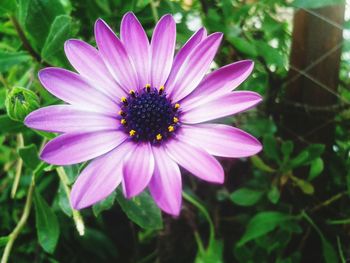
x,y
205,213
19,165
23,220
25,41
154,11
78,220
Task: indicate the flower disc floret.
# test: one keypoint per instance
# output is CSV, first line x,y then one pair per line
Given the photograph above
x,y
148,115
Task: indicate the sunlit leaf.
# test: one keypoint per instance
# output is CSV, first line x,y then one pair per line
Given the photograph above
x,y
59,32
261,224
246,196
316,168
47,226
36,16
105,204
142,210
29,155
10,59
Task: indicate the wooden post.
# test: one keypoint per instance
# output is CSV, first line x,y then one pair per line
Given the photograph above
x,y
313,76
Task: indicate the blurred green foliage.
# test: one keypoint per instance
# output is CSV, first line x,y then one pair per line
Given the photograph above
x,y
267,210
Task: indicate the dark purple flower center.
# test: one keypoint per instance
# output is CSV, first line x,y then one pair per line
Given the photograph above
x,y
148,115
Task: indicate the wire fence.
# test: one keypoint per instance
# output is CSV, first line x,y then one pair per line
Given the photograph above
x,y
305,72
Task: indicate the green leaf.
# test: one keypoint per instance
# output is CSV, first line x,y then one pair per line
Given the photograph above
x,y
141,210
2,98
243,46
316,4
270,147
246,196
271,55
63,201
262,126
329,254
98,245
29,155
259,163
261,224
7,125
36,16
274,195
304,186
10,59
8,6
3,241
316,168
59,32
46,224
300,159
105,204
315,151
213,254
287,148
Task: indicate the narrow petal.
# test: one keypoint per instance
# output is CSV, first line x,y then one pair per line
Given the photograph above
x,y
136,44
195,67
166,185
230,104
99,179
181,56
67,118
115,56
88,62
73,89
72,148
138,169
219,83
162,50
221,140
195,160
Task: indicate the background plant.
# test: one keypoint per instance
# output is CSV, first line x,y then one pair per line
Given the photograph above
x,y
288,204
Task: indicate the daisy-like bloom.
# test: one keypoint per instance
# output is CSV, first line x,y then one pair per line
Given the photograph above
x,y
139,112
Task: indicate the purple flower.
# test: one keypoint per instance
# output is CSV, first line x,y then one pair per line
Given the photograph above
x,y
139,112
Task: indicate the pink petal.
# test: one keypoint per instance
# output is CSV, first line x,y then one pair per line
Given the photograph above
x,y
136,44
99,179
115,56
221,140
67,118
72,88
181,56
165,185
195,67
72,148
230,104
88,62
162,50
219,83
138,170
195,160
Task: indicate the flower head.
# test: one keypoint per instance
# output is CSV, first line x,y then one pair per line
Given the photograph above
x,y
138,112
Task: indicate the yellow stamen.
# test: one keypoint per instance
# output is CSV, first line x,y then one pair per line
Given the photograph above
x,y
132,133
123,121
175,120
120,112
132,93
123,99
177,105
161,89
148,87
159,137
171,128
